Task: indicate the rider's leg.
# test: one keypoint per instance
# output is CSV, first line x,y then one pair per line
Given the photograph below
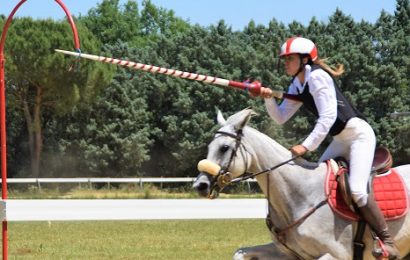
x,y
374,217
361,158
335,149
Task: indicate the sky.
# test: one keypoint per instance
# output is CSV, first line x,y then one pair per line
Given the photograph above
x,y
235,13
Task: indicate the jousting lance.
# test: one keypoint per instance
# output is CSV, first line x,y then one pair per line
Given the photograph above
x,y
253,87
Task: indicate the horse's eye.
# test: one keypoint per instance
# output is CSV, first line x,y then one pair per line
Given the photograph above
x,y
224,148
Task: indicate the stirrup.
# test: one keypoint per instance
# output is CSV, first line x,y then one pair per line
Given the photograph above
x,y
379,251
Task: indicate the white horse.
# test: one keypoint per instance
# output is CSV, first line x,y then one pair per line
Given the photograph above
x,y
292,190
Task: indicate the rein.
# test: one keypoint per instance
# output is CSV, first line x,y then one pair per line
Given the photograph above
x,y
224,179
249,175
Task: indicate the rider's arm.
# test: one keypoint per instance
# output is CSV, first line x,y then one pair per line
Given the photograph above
x,y
322,88
281,113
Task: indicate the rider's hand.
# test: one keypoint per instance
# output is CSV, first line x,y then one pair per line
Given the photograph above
x,y
269,93
298,150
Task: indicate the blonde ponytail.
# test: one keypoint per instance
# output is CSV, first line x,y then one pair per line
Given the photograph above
x,y
335,72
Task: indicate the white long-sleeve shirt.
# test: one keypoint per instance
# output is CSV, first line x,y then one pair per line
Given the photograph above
x,y
321,87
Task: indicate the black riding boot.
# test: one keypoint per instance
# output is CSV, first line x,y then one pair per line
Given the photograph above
x,y
374,217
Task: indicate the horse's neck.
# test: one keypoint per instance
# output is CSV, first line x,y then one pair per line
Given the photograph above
x,y
265,151
291,188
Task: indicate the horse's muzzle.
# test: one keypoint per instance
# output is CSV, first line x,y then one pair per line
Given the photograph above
x,y
202,185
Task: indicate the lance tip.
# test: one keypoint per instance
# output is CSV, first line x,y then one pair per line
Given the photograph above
x,y
68,52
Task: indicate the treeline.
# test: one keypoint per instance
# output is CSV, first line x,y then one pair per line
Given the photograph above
x,y
67,118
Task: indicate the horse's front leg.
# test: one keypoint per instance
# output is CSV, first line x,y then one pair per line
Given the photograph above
x,y
261,252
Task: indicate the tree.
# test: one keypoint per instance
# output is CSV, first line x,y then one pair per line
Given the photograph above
x,y
185,110
392,46
112,22
35,73
111,136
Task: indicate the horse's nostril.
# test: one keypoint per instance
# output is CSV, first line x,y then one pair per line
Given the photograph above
x,y
202,186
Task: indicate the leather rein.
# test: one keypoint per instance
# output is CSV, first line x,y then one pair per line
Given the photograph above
x,y
224,179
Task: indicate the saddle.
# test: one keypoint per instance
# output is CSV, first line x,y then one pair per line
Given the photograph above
x,y
387,185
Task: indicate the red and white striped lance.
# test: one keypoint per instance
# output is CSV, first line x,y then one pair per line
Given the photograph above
x,y
253,87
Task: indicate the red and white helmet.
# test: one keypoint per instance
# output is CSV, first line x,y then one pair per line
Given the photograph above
x,y
299,45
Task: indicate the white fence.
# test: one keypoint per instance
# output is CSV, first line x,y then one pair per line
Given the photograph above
x,y
108,181
91,181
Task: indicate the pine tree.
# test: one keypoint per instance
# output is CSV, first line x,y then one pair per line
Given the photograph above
x,y
113,136
35,73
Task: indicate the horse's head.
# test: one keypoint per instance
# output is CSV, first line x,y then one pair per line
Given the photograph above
x,y
228,157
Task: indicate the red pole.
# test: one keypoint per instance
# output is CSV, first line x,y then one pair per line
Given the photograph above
x,y
72,23
3,142
3,155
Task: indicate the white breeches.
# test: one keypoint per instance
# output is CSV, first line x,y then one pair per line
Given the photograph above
x,y
356,143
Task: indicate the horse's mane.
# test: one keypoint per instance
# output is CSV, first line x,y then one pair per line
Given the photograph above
x,y
248,111
306,164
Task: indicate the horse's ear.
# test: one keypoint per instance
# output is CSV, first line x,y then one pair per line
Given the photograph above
x,y
249,113
220,118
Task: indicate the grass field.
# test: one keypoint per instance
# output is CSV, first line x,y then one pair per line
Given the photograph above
x,y
188,239
122,192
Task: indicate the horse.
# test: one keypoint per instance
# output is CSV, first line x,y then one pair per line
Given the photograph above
x,y
307,228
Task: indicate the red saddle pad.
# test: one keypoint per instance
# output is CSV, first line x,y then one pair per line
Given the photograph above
x,y
389,191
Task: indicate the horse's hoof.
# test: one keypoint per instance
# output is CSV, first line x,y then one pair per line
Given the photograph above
x,y
239,255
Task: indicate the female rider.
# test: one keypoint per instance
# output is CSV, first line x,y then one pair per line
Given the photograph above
x,y
353,137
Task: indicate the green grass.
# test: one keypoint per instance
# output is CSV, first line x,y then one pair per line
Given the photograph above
x,y
122,192
187,239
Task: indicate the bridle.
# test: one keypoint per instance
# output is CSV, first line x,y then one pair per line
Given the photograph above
x,y
224,177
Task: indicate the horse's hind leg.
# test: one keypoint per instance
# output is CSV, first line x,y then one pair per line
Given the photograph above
x,y
261,252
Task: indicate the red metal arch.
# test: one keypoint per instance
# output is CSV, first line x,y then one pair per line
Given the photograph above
x,y
3,145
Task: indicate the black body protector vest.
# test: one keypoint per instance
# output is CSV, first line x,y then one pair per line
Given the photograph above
x,y
345,109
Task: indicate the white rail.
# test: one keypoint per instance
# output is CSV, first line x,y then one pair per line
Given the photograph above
x,y
99,180
109,181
